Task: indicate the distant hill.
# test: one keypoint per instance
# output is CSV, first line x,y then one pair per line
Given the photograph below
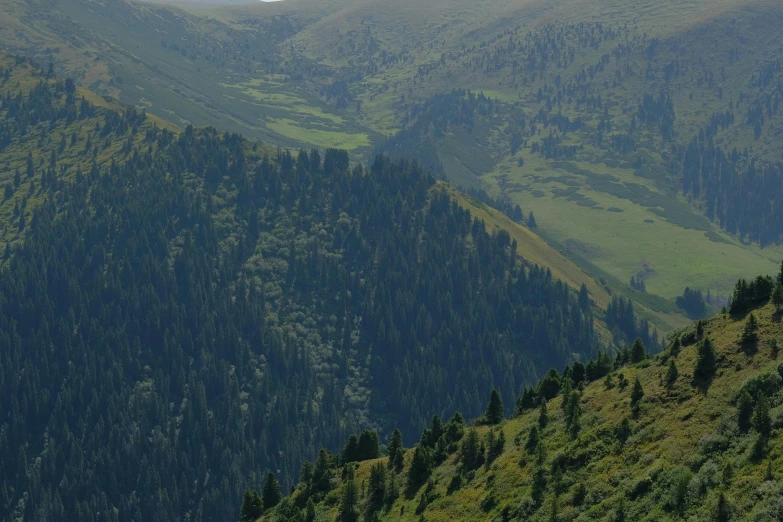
x,y
693,433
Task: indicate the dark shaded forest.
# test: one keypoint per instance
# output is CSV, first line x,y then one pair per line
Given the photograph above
x,y
196,311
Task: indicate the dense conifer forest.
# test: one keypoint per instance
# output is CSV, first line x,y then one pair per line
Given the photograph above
x,y
183,313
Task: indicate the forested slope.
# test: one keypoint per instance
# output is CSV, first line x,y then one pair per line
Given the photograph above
x,y
181,313
691,434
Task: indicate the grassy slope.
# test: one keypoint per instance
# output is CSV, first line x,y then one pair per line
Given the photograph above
x,y
667,434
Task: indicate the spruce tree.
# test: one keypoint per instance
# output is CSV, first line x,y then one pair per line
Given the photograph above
x,y
722,513
395,450
310,510
271,495
351,449
377,484
674,350
494,412
532,440
391,489
706,362
637,392
777,297
369,446
471,452
623,431
762,422
638,353
322,471
566,393
543,416
749,332
348,512
420,467
744,412
672,373
252,507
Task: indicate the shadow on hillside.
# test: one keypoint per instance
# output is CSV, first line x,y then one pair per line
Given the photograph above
x,y
702,385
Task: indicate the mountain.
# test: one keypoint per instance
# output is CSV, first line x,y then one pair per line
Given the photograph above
x,y
182,312
693,433
642,137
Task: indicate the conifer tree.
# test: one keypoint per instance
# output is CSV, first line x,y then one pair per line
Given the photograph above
x,y
584,299
744,412
674,350
526,401
391,488
271,495
566,393
722,513
350,499
706,362
638,353
471,453
637,393
543,416
369,446
310,510
623,431
376,491
749,332
322,471
252,507
420,467
455,428
672,373
532,440
395,450
777,297
351,449
494,412
762,422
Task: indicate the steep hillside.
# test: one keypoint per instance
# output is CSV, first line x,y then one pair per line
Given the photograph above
x,y
691,434
181,312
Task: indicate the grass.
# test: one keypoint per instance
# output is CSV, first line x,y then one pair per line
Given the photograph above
x,y
669,431
318,137
654,230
